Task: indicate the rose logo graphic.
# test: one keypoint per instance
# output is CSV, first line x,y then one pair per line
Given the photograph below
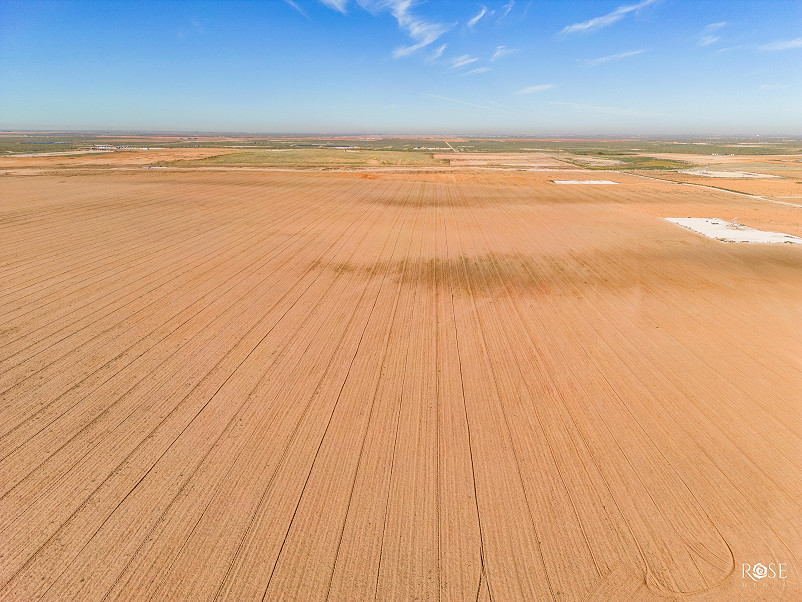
x,y
770,572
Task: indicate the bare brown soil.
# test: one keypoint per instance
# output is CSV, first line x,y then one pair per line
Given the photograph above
x,y
254,385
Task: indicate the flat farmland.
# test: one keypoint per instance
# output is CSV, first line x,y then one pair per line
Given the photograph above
x,y
298,385
533,160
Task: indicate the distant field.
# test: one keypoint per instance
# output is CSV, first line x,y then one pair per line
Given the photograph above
x,y
318,158
462,384
386,151
609,160
50,142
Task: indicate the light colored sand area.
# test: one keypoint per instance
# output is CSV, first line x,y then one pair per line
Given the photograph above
x,y
584,182
726,174
732,231
252,385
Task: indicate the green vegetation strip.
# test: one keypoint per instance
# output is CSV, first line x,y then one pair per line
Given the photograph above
x,y
315,157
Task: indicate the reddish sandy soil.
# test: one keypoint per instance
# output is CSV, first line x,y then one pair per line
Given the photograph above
x,y
728,161
306,386
112,158
788,187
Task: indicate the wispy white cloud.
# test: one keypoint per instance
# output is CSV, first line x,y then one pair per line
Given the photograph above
x,y
706,38
475,19
458,101
496,109
502,51
463,60
421,31
296,7
729,48
438,52
539,88
609,110
606,20
612,57
338,5
507,108
783,45
195,27
507,8
714,26
478,71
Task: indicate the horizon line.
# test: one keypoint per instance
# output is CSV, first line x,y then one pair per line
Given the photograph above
x,y
319,134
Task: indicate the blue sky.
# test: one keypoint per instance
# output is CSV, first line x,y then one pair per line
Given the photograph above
x,y
401,66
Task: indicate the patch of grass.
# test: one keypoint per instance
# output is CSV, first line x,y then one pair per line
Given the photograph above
x,y
639,162
626,161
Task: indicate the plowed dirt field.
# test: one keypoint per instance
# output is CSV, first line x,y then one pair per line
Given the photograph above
x,y
287,385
